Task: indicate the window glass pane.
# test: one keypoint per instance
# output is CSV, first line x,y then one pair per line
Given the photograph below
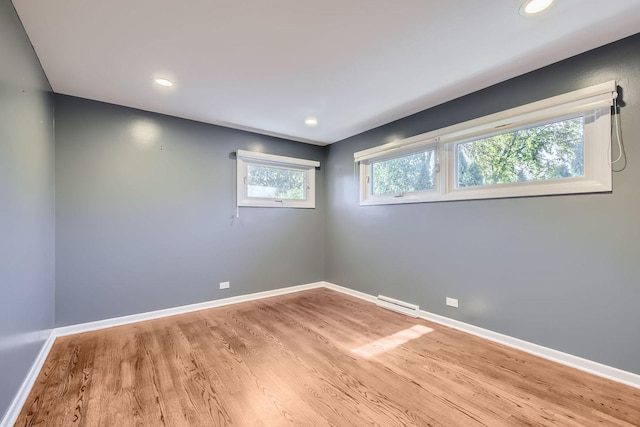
x,y
276,183
550,151
415,172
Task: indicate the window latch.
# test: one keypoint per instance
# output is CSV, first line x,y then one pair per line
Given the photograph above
x,y
437,168
399,195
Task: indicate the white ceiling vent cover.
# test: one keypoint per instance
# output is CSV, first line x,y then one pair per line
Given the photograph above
x,y
399,306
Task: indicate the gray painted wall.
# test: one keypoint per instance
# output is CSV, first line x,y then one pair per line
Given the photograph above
x,y
26,206
558,271
145,205
144,215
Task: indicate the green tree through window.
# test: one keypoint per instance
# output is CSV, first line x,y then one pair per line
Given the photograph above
x,y
405,174
550,151
280,183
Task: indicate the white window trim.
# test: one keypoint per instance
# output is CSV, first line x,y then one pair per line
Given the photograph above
x,y
245,158
368,198
597,149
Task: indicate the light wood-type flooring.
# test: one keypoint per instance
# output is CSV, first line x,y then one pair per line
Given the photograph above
x,y
313,358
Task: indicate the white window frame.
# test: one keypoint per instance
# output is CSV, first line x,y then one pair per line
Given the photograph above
x,y
246,158
366,174
594,102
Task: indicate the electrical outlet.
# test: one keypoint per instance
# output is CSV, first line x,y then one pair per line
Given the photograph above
x,y
224,285
452,302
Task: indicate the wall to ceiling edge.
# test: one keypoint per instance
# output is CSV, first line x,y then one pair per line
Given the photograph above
x,y
559,271
26,206
145,214
144,220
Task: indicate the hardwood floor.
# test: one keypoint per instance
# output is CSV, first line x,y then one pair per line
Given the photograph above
x,y
314,358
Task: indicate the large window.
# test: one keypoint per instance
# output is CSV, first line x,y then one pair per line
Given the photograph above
x,y
545,151
559,145
267,180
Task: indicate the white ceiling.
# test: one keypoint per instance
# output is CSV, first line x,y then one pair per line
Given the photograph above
x,y
267,65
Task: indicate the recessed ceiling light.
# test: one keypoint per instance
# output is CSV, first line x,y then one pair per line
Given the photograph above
x,y
311,121
531,7
164,82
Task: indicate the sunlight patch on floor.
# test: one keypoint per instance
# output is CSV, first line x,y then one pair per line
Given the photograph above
x,y
392,341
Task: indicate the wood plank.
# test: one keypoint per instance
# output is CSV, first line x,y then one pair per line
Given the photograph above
x,y
314,358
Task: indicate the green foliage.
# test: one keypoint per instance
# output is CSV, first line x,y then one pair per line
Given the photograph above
x,y
468,175
265,181
404,174
550,151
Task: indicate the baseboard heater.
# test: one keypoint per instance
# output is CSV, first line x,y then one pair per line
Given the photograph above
x,y
399,306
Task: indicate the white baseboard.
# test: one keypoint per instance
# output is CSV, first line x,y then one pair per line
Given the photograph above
x,y
150,315
351,292
21,397
18,402
586,365
595,368
567,359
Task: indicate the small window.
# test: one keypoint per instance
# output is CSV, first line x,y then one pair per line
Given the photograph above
x,y
559,145
267,180
276,182
406,174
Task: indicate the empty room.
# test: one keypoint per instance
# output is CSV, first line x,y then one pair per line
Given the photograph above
x,y
344,213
